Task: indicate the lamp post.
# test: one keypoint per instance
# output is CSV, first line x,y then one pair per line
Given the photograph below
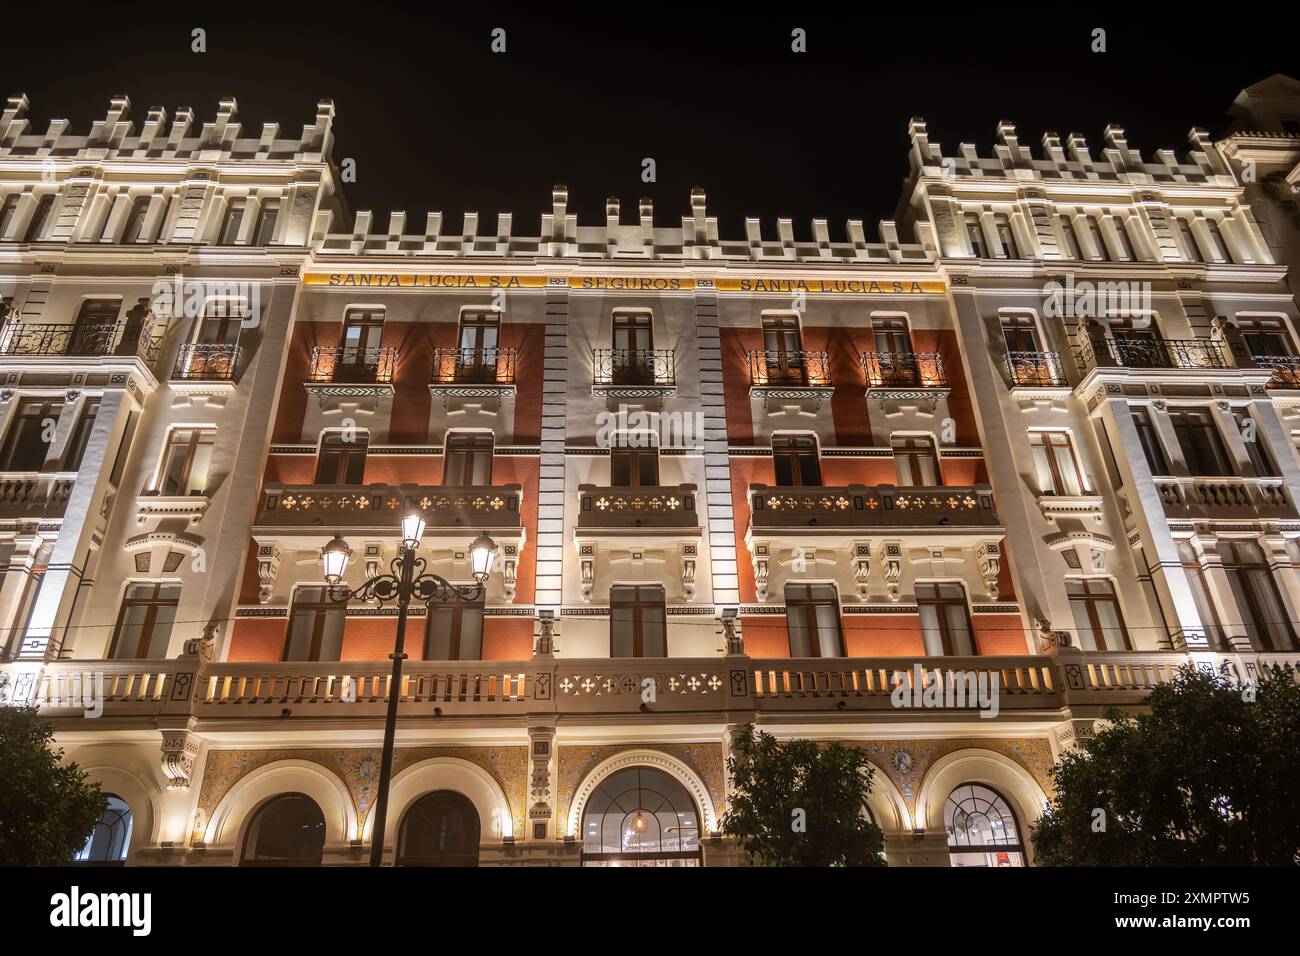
x,y
406,580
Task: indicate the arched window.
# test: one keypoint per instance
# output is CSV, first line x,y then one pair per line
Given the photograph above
x,y
109,840
440,829
288,830
982,830
640,816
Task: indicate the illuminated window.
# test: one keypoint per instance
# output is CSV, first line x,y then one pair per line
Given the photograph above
x,y
1097,616
637,621
315,626
640,816
1055,462
812,618
144,624
945,620
186,459
111,838
982,830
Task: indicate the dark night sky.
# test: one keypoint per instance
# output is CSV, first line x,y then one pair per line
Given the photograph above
x,y
436,121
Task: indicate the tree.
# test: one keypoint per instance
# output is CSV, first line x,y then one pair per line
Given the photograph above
x,y
47,809
1208,777
801,803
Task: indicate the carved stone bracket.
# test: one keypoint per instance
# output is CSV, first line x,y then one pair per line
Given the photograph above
x,y
268,566
735,641
862,569
990,559
690,554
510,570
762,568
179,750
541,749
587,567
891,562
546,634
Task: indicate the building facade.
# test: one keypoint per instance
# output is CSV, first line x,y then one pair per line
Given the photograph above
x,y
944,496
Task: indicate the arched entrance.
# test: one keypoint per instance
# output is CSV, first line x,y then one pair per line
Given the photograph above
x,y
288,830
982,829
640,816
109,840
440,829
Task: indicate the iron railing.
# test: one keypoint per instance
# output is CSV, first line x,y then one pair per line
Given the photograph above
x,y
121,339
484,366
797,369
206,362
352,365
633,366
1286,369
1150,353
904,370
1035,369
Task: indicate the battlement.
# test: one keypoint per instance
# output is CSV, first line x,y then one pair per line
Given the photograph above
x,y
1119,162
562,236
163,137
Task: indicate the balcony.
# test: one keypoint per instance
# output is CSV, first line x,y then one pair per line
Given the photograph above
x,y
646,510
902,376
1143,354
351,371
205,369
473,372
867,508
1285,369
1230,499
32,495
786,375
1035,370
378,508
633,373
105,344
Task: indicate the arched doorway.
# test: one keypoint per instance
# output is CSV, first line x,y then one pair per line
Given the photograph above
x,y
109,840
640,816
440,829
288,830
982,829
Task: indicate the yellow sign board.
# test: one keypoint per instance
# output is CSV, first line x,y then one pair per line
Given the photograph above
x,y
395,280
758,286
840,286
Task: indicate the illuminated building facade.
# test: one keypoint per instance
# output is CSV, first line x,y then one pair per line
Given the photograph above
x,y
1025,454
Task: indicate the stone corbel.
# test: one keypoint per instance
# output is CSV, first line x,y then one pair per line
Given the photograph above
x,y
690,554
202,646
374,558
545,646
268,567
179,749
862,569
990,560
587,568
541,748
891,562
761,570
510,571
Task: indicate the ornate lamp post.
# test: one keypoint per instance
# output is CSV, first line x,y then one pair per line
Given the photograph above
x,y
406,581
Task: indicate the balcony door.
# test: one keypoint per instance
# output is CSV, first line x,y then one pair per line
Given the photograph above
x,y
315,626
945,620
637,621
468,460
358,358
893,363
634,466
1019,334
480,334
812,617
915,460
1259,603
1201,442
342,462
795,462
1138,346
95,327
1266,338
633,348
783,350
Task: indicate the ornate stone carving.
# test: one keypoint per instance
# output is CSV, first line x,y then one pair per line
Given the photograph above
x,y
690,554
990,559
862,569
268,566
541,749
761,571
587,568
891,561
509,571
179,749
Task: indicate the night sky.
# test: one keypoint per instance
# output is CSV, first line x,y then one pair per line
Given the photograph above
x,y
436,121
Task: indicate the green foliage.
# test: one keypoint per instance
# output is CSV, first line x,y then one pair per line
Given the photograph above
x,y
47,809
1209,777
800,803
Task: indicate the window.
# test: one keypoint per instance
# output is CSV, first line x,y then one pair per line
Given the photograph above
x,y
233,220
812,620
111,837
981,828
783,350
1006,237
637,621
1056,464
144,624
1122,238
468,460
1265,337
945,621
794,459
454,631
95,327
1201,443
358,359
916,461
1190,247
7,211
315,626
1204,606
26,607
186,458
36,226
1094,233
633,466
479,335
1256,447
162,220
288,830
1216,240
342,462
1070,241
975,233
133,231
633,355
80,437
267,216
1019,333
1097,617
1263,615
640,816
1150,441
440,829
891,335
27,443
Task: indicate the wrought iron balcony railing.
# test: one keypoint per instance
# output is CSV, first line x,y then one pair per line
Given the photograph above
x,y
350,365
793,369
1151,353
1035,369
494,366
1286,369
905,370
634,367
382,506
878,506
120,339
206,363
668,506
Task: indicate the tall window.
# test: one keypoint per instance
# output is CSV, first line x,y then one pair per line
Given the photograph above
x,y
975,233
1071,242
315,626
915,460
162,220
1150,441
637,621
95,327
440,829
268,213
1265,337
1264,616
812,619
1256,447
634,466
36,226
783,350
891,335
945,621
342,462
633,332
1056,464
1097,617
454,631
1122,237
8,209
1190,247
468,460
288,830
80,438
982,830
133,230
232,221
358,360
186,459
144,623
1094,233
1216,240
111,838
1019,333
480,334
794,458
1201,443
1006,236
27,442
643,817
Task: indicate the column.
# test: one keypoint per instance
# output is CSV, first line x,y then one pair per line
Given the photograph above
x,y
550,486
717,463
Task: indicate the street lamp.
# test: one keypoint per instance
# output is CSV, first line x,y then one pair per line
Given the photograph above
x,y
406,580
